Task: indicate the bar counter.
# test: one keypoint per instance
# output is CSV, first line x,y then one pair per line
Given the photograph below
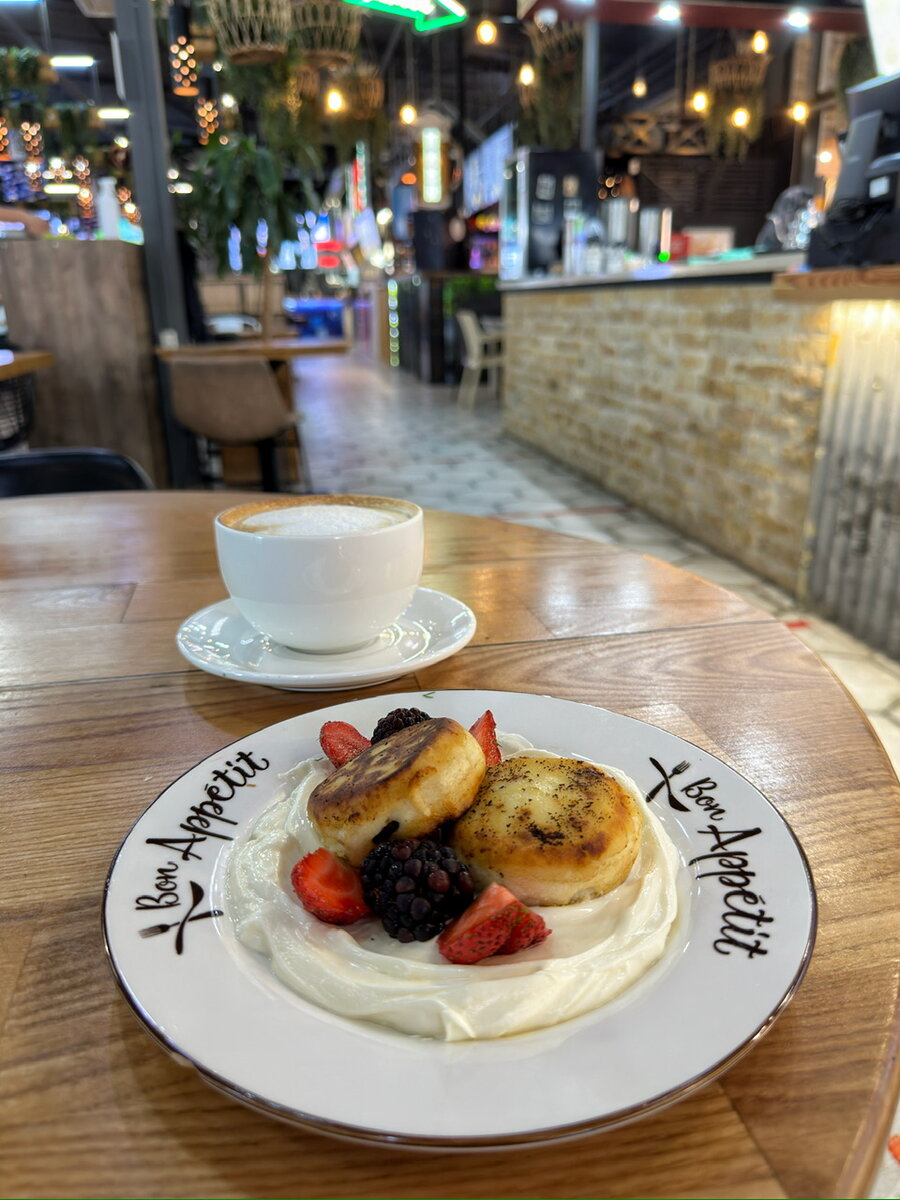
x,y
759,418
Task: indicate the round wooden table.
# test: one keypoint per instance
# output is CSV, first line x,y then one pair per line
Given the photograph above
x,y
101,713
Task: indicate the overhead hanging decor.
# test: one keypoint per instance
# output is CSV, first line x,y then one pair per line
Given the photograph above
x,y
327,32
182,55
551,106
426,15
251,32
364,89
736,110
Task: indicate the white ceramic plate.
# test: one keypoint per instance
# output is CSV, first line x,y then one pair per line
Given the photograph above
x,y
218,639
732,965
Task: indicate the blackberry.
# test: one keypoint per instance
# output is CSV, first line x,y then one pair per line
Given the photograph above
x,y
397,719
416,886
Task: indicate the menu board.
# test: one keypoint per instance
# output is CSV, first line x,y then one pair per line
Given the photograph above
x,y
483,171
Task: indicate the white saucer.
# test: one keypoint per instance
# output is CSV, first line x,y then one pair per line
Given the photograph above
x,y
218,639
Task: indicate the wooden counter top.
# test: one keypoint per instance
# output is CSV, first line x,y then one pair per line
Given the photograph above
x,y
15,363
839,283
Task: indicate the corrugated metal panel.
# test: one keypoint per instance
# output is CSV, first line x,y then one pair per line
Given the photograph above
x,y
854,542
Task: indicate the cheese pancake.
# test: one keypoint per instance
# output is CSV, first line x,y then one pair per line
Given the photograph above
x,y
552,830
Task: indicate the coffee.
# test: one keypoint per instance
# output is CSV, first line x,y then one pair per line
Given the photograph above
x,y
299,518
322,574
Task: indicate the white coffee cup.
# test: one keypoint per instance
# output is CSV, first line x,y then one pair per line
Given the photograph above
x,y
323,574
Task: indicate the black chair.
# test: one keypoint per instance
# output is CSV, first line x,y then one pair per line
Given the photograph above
x,y
41,472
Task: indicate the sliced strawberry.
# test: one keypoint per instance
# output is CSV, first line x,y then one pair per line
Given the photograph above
x,y
328,888
482,929
484,731
341,741
529,929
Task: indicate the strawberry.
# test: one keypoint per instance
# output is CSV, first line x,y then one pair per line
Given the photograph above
x,y
484,731
341,741
328,888
529,929
483,928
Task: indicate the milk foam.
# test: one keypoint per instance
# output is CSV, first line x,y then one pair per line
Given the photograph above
x,y
318,520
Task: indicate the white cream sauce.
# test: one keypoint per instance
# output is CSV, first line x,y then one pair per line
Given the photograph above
x,y
597,949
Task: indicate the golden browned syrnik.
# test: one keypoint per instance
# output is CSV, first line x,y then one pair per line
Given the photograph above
x,y
552,830
407,784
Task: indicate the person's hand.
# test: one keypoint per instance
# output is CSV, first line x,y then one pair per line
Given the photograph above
x,y
35,226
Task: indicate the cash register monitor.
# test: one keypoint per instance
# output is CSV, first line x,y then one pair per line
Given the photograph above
x,y
873,141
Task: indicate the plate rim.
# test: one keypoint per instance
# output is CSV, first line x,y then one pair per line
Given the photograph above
x,y
339,680
544,1135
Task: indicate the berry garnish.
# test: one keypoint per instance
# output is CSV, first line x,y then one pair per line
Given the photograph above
x,y
483,929
484,731
417,886
328,888
341,742
529,929
397,719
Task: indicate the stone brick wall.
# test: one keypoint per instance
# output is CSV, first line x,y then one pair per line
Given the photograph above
x,y
698,403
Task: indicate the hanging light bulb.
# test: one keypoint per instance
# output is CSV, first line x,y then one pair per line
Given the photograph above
x,y
334,100
759,43
740,118
798,18
799,112
486,32
182,56
700,102
408,114
669,12
639,87
526,74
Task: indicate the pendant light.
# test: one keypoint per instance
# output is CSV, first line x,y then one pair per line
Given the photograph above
x,y
182,57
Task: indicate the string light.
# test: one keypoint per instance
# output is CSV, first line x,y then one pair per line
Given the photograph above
x,y
526,74
334,100
32,139
740,118
639,87
486,32
759,43
183,66
408,114
700,102
207,119
799,112
669,12
4,139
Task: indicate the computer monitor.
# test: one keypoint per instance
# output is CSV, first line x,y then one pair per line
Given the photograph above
x,y
871,154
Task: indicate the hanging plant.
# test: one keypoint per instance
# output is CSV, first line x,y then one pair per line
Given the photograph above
x,y
736,86
71,129
24,78
251,32
551,115
327,32
856,65
289,126
238,183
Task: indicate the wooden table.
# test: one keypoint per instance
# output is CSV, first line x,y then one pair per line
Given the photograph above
x,y
101,713
15,363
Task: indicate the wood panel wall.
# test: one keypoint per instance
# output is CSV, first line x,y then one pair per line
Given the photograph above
x,y
86,301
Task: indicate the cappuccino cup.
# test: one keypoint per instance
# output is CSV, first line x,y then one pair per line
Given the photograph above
x,y
321,574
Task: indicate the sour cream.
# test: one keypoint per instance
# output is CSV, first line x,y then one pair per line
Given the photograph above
x,y
597,949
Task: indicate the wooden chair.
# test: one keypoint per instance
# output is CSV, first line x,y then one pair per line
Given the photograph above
x,y
482,351
233,401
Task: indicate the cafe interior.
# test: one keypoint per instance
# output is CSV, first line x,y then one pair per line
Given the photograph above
x,y
564,337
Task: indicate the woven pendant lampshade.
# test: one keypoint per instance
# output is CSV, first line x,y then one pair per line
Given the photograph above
x,y
364,89
327,32
251,32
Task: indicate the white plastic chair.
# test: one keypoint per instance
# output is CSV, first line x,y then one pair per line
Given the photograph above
x,y
482,351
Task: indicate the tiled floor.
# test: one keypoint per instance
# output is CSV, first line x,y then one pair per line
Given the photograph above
x,y
371,429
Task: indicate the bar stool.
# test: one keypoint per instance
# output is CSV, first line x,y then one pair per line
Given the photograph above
x,y
232,401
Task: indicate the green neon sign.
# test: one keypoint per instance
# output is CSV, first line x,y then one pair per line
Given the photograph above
x,y
426,15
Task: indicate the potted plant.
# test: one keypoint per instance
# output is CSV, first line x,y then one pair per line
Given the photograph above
x,y
239,183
